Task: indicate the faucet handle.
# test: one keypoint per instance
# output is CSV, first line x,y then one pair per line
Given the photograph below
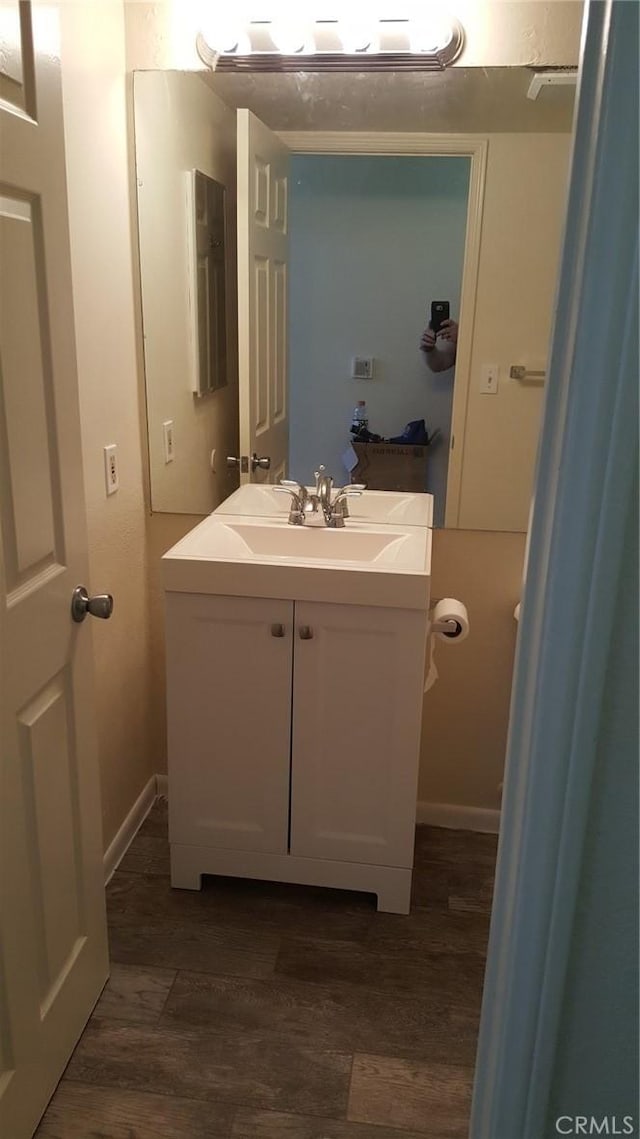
x,y
293,491
295,488
348,492
340,505
296,511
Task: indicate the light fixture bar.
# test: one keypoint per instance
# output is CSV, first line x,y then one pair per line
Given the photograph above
x,y
325,54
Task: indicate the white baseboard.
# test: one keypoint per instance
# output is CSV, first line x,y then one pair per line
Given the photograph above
x,y
457,817
119,845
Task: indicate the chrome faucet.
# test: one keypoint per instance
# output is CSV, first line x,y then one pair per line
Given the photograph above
x,y
324,483
304,504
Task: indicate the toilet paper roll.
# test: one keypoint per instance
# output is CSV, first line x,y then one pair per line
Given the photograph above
x,y
444,612
449,620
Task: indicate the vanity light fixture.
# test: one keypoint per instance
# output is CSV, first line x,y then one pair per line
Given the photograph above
x,y
427,44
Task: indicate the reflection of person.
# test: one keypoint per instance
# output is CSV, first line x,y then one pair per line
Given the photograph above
x,y
440,356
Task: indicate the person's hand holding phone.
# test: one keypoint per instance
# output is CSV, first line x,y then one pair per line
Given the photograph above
x,y
449,331
428,341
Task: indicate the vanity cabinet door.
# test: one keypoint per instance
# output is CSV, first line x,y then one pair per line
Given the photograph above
x,y
229,663
358,681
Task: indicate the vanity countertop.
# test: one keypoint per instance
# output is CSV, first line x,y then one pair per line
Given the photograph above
x,y
362,564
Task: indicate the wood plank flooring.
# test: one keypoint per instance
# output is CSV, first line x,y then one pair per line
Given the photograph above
x,y
252,1010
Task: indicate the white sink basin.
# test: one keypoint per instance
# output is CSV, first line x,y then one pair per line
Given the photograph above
x,y
393,508
256,557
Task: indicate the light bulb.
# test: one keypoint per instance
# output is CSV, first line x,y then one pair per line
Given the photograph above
x,y
291,37
430,34
357,35
225,35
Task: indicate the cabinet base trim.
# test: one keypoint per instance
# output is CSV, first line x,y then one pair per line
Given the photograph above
x,y
391,884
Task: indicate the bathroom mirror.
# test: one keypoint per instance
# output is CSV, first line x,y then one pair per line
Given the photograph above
x,y
376,233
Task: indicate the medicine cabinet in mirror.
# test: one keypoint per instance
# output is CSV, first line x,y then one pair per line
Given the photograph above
x,y
207,290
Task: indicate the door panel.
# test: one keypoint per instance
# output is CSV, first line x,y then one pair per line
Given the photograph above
x,y
356,733
30,505
229,717
263,163
50,776
53,950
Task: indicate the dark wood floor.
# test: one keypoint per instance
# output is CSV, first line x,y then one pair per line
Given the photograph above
x,y
258,1011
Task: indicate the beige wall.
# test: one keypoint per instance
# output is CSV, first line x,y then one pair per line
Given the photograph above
x,y
498,33
524,207
96,147
180,125
466,713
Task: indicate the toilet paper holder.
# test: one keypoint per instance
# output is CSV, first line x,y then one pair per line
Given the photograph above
x,y
451,628
448,628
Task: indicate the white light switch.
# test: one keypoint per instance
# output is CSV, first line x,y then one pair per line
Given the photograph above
x,y
169,450
489,379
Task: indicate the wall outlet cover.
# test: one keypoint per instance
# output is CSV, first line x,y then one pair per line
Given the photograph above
x,y
111,475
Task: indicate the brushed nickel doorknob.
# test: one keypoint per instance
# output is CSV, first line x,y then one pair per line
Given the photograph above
x,y
239,462
81,604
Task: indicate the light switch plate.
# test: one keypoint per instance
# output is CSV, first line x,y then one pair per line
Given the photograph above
x,y
169,441
111,476
489,375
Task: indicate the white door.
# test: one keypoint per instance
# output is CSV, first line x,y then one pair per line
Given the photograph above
x,y
263,180
357,711
53,950
229,716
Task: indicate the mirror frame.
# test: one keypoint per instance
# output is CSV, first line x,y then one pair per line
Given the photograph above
x,y
404,144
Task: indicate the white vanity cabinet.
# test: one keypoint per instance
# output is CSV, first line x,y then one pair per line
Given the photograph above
x,y
229,721
294,736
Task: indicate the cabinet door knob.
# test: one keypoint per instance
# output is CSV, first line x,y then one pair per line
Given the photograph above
x,y
306,633
277,630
